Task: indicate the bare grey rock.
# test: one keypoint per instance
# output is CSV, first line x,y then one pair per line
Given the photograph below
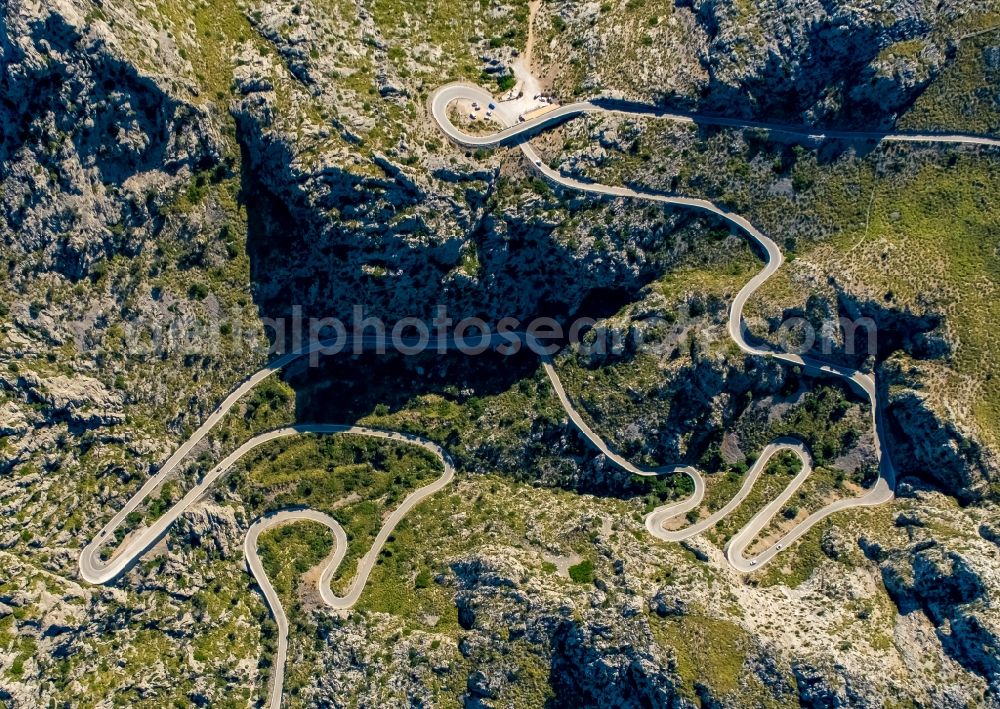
x,y
13,420
84,400
214,527
834,543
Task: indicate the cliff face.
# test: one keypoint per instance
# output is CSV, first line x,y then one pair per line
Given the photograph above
x,y
824,63
401,241
949,584
926,443
904,347
597,662
835,63
90,145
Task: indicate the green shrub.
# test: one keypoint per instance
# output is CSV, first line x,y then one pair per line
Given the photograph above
x,y
582,572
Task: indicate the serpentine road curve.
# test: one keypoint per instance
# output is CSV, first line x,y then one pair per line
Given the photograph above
x,y
92,569
330,566
881,492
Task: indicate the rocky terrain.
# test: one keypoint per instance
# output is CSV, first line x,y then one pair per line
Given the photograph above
x,y
835,63
505,616
174,178
860,245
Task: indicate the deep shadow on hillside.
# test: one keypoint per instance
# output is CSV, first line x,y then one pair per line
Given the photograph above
x,y
838,65
355,250
346,241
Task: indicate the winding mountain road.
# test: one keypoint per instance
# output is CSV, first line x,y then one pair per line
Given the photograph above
x,y
330,566
883,489
94,569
